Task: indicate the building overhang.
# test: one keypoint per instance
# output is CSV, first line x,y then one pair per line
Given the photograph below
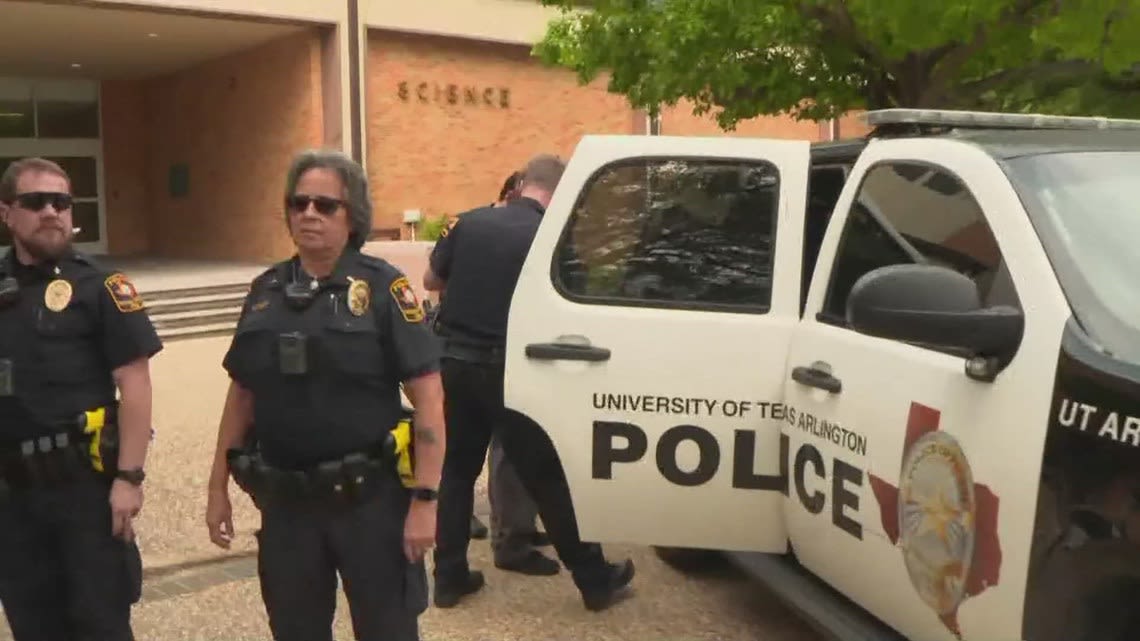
x,y
516,22
94,41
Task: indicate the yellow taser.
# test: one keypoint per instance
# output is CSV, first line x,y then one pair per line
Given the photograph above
x,y
93,423
404,450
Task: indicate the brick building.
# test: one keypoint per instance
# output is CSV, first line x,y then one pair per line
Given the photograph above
x,y
177,118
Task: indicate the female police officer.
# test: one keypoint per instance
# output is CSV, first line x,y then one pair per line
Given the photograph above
x,y
323,343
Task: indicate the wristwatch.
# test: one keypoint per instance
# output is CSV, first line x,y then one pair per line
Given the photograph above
x,y
134,476
424,494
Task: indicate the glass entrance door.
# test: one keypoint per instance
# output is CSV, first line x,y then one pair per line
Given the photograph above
x,y
58,120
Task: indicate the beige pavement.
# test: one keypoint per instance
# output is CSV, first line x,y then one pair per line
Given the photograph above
x,y
222,602
666,606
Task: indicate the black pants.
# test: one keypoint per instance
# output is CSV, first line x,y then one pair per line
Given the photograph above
x,y
302,545
63,575
473,403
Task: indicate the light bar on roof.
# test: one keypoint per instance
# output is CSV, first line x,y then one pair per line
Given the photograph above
x,y
992,120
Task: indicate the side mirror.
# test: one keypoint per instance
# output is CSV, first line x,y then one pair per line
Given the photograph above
x,y
939,307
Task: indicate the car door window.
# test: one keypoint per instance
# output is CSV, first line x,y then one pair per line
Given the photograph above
x,y
916,213
673,233
825,185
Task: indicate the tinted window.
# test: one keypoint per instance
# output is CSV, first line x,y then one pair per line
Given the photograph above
x,y
673,233
825,184
909,213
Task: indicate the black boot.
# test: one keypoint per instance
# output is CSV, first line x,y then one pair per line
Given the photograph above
x,y
450,591
533,563
607,587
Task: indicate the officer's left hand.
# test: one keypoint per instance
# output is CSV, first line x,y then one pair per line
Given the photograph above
x,y
419,530
126,501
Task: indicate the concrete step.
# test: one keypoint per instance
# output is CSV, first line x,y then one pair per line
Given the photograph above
x,y
196,319
196,331
188,303
179,314
152,297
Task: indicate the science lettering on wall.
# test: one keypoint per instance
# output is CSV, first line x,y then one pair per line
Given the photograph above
x,y
453,94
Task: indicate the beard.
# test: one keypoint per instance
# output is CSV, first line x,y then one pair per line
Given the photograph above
x,y
48,243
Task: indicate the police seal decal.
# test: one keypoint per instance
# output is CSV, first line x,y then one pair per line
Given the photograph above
x,y
942,518
406,299
123,292
57,295
359,297
936,520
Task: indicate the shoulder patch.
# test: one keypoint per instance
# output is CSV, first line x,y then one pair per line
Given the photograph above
x,y
123,292
405,298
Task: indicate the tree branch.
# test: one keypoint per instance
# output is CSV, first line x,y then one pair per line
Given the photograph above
x,y
1048,72
943,68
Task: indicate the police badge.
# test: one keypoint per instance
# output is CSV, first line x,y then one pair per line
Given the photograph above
x,y
359,297
57,295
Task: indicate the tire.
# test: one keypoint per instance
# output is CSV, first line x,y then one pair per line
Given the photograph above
x,y
692,560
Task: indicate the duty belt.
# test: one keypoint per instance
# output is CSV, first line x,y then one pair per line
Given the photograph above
x,y
469,352
74,450
348,477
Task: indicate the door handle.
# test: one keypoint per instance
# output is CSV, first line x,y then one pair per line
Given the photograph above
x,y
566,352
813,376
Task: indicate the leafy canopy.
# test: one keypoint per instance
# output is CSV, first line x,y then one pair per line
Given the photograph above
x,y
817,59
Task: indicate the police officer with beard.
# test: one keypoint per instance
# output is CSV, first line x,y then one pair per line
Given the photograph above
x,y
478,263
324,342
71,456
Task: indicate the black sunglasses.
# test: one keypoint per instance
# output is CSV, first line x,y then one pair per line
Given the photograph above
x,y
38,200
299,203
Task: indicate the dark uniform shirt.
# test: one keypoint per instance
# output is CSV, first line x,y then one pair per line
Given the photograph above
x,y
481,258
361,341
62,361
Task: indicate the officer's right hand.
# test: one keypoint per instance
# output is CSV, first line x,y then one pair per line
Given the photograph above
x,y
220,518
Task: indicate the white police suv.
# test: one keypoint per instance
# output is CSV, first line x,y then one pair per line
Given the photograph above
x,y
897,377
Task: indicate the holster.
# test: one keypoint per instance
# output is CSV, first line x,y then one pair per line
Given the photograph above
x,y
400,448
101,426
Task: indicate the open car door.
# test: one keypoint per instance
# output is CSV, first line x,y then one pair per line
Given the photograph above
x,y
648,335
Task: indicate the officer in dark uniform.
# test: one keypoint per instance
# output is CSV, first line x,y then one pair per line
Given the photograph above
x,y
324,341
513,513
478,263
71,333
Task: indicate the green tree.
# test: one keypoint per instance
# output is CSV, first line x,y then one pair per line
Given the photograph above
x,y
816,59
431,228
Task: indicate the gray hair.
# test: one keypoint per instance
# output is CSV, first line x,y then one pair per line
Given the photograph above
x,y
543,171
355,182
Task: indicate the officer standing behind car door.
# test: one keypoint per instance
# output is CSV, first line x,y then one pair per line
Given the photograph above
x,y
70,334
323,343
513,513
478,263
